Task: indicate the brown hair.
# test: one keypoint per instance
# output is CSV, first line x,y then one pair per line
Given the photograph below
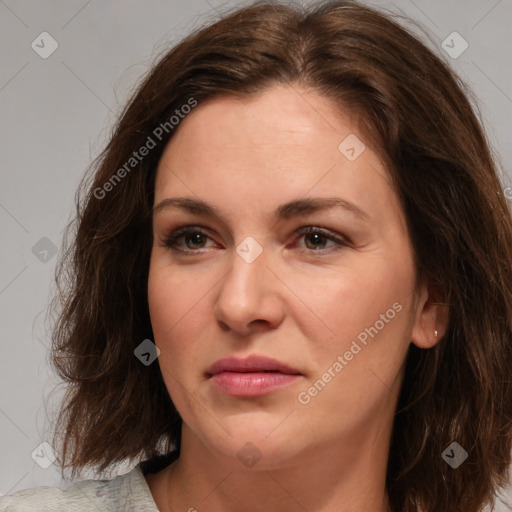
x,y
417,114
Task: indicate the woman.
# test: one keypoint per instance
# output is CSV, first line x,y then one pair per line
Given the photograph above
x,y
289,288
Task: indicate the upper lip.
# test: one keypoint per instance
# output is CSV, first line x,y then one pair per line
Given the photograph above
x,y
252,363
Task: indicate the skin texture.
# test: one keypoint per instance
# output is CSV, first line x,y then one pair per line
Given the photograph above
x,y
303,301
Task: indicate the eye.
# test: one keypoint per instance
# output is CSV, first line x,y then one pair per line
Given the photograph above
x,y
316,238
190,239
192,236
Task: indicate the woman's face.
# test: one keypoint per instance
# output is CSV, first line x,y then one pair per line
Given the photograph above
x,y
336,304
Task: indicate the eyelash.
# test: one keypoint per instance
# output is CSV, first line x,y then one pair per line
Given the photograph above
x,y
170,242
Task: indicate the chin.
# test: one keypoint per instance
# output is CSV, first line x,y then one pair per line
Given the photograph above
x,y
254,440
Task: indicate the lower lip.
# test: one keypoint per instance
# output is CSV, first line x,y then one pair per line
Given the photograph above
x,y
251,384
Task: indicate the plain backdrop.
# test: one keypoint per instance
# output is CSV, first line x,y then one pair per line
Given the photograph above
x,y
56,113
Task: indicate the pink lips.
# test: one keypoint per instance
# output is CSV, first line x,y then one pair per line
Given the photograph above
x,y
251,376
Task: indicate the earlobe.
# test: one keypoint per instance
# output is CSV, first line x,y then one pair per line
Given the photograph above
x,y
431,318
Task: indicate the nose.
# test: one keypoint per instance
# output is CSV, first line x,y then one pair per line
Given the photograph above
x,y
250,297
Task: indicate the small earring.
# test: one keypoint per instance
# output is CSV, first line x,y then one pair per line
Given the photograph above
x,y
435,333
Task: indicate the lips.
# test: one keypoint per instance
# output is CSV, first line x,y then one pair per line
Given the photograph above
x,y
251,364
251,376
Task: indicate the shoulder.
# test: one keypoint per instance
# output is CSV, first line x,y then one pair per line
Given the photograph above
x,y
127,493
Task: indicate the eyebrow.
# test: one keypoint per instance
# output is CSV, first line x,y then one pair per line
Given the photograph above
x,y
285,211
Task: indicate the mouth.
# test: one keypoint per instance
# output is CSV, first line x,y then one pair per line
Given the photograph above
x,y
251,376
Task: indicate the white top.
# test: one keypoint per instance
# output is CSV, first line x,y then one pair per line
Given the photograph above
x,y
124,493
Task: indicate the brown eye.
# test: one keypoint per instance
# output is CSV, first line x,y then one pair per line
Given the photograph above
x,y
195,238
315,239
192,237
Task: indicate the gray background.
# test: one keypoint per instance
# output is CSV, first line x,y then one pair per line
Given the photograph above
x,y
55,115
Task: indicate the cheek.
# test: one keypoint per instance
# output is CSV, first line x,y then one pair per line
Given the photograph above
x,y
369,308
169,301
172,293
179,307
346,302
167,305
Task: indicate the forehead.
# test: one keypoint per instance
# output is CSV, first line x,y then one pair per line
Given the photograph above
x,y
282,115
280,144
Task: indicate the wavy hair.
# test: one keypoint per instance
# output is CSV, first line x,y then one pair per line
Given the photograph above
x,y
424,123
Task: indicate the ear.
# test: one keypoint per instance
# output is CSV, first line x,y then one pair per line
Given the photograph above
x,y
432,315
